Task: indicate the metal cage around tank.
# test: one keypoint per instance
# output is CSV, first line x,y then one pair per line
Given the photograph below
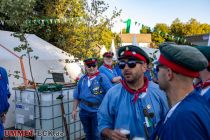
x,y
46,116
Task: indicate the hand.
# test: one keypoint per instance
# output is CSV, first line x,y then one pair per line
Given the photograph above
x,y
74,114
116,135
116,79
3,118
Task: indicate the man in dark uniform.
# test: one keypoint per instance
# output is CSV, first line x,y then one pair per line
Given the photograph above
x,y
189,114
204,75
89,94
4,94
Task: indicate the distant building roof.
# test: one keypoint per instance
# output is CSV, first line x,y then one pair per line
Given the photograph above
x,y
200,40
140,38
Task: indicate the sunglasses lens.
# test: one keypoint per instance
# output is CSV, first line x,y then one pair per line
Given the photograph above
x,y
121,65
91,65
131,64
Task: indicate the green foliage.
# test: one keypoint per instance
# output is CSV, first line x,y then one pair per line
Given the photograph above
x,y
178,30
145,30
88,26
117,40
17,10
160,33
177,27
157,38
124,31
193,27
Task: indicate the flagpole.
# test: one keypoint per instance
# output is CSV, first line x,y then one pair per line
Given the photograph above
x,y
120,32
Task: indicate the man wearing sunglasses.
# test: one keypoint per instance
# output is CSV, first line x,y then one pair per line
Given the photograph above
x,y
204,75
189,114
135,104
89,94
108,70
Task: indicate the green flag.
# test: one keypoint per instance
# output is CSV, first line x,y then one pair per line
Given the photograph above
x,y
128,26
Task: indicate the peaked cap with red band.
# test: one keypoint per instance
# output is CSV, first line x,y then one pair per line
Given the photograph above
x,y
134,52
205,50
108,54
90,61
182,59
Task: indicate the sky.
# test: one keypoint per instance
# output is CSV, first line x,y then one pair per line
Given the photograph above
x,y
151,12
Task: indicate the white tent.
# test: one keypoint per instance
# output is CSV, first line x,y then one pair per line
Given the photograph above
x,y
102,51
50,58
112,49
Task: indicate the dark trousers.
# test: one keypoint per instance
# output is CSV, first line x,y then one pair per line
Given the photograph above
x,y
90,124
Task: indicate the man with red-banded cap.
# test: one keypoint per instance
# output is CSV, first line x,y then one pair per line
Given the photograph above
x,y
89,94
135,105
189,114
204,75
108,70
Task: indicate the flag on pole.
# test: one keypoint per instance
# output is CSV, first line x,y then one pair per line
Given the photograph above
x,y
134,41
128,25
132,26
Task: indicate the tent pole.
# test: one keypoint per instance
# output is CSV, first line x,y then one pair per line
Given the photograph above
x,y
21,64
23,71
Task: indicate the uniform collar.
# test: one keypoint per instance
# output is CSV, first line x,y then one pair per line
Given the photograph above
x,y
204,84
108,66
94,75
139,91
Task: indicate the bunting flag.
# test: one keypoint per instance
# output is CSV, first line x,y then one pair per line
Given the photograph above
x,y
132,26
139,26
136,24
2,22
128,25
41,21
136,28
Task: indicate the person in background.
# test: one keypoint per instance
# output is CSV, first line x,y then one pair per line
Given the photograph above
x,y
135,105
117,69
204,75
189,114
89,94
4,95
108,70
147,73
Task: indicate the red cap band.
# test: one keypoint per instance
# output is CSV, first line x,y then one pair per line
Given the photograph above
x,y
136,55
90,62
177,68
108,54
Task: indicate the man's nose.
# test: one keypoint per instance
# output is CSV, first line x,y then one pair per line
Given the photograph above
x,y
126,66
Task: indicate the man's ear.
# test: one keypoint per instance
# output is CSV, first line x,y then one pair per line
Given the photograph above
x,y
170,74
144,67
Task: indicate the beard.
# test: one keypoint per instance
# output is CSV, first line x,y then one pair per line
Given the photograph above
x,y
130,77
108,63
161,87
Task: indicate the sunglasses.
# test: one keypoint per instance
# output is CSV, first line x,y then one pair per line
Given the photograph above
x,y
91,65
130,63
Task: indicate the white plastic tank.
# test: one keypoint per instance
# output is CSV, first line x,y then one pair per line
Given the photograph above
x,y
28,116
